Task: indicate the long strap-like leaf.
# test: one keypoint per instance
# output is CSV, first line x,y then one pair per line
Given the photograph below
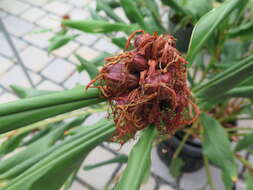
x,y
139,161
216,147
207,25
51,172
67,96
21,119
99,26
226,80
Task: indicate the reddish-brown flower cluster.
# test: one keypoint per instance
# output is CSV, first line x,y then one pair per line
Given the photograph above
x,y
147,85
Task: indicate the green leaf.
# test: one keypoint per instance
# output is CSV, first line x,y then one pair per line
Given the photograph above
x,y
245,31
243,92
22,160
23,92
80,129
62,32
40,31
176,6
139,161
244,143
57,98
238,15
251,6
12,143
96,16
43,132
120,42
205,27
102,5
21,119
98,61
153,26
176,167
60,41
249,181
216,146
54,169
113,3
154,9
118,159
71,179
90,68
197,8
226,80
98,26
247,82
133,12
232,52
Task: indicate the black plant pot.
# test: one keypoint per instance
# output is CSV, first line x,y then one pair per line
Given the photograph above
x,y
191,153
183,37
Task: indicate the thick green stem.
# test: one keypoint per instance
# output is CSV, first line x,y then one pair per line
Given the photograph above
x,y
239,129
238,134
186,136
245,162
181,145
208,173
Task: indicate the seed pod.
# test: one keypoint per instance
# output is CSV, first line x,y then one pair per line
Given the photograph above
x,y
139,39
139,64
118,80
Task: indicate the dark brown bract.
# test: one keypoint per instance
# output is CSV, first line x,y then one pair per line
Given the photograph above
x,y
147,85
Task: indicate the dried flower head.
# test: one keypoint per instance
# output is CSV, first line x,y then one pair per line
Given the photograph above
x,y
147,85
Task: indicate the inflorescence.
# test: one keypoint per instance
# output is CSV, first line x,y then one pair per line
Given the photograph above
x,y
147,85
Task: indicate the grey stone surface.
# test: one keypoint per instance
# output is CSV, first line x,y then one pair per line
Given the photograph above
x,y
58,70
17,26
58,7
13,6
35,58
33,14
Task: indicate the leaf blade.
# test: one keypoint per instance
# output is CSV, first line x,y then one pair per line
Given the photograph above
x,y
244,143
60,41
132,12
249,181
21,119
226,80
23,92
55,168
98,26
117,159
207,25
66,96
90,68
216,147
139,161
